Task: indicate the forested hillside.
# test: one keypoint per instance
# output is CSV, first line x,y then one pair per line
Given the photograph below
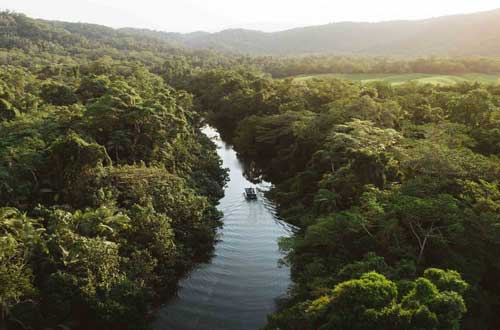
x,y
461,35
60,42
108,188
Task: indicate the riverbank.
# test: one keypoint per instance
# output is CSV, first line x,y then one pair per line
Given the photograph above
x,y
237,288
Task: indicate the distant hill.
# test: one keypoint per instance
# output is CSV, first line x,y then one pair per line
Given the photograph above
x,y
460,35
464,35
55,37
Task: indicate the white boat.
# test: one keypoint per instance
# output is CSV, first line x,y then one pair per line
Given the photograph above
x,y
250,193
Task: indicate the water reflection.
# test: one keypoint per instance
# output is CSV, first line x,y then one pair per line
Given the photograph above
x,y
238,287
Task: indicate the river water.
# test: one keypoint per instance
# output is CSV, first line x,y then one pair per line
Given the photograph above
x,y
237,289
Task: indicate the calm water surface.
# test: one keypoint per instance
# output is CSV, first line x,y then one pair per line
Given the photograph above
x,y
238,288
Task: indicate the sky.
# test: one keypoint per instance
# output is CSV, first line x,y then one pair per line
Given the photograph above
x,y
216,15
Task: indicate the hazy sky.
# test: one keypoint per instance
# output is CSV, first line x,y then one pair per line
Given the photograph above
x,y
215,15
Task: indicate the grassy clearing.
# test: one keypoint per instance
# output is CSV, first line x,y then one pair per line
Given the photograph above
x,y
418,77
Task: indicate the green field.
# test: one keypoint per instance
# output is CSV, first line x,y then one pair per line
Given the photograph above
x,y
418,77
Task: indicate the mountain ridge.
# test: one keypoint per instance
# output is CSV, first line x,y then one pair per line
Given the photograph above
x,y
475,34
464,34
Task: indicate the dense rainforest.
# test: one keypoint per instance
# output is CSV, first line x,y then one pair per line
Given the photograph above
x,y
108,188
107,193
30,43
394,188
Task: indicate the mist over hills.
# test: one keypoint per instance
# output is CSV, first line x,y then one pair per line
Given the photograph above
x,y
470,34
459,35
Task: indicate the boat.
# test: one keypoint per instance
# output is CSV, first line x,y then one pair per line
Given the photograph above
x,y
250,193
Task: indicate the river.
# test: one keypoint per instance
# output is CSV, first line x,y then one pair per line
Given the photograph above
x,y
238,288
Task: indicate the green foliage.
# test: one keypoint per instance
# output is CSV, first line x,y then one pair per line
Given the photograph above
x,y
371,302
57,94
393,179
20,236
107,194
108,188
